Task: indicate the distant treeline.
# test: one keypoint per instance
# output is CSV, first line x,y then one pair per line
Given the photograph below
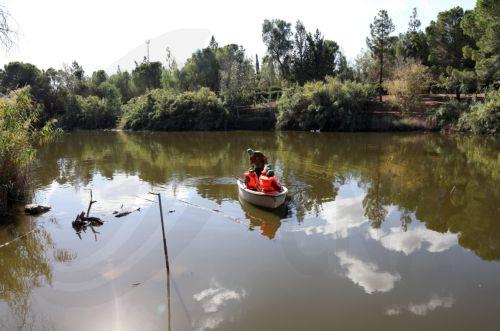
x,y
310,78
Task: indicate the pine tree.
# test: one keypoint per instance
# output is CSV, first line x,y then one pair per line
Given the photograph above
x,y
379,43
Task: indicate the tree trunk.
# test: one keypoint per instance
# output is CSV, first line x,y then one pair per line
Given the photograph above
x,y
457,94
380,76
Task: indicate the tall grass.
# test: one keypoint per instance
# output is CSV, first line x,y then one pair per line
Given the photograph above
x,y
19,136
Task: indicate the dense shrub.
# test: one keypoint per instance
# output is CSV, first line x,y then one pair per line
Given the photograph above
x,y
18,137
447,114
167,111
99,111
328,106
409,81
483,117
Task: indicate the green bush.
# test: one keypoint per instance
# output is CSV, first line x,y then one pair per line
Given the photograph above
x,y
166,111
99,111
483,118
328,106
447,114
19,135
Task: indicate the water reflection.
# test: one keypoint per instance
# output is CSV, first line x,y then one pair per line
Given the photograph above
x,y
400,222
448,183
408,241
268,221
26,265
421,309
367,275
212,300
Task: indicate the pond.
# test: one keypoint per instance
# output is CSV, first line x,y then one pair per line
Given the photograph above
x,y
381,231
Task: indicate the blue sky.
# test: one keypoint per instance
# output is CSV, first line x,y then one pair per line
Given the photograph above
x,y
97,32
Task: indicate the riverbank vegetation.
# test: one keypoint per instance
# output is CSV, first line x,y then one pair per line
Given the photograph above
x,y
19,135
304,77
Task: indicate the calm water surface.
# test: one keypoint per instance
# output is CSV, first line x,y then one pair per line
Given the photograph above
x,y
381,231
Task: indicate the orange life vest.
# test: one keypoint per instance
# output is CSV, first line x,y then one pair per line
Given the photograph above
x,y
251,180
269,184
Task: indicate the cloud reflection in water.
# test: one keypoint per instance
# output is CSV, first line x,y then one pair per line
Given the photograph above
x,y
422,309
366,274
212,299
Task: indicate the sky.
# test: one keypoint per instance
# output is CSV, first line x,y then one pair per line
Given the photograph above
x,y
101,34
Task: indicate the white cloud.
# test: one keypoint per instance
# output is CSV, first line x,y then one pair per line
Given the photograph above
x,y
396,239
422,309
366,274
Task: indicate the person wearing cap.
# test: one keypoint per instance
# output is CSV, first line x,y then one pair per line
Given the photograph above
x,y
269,184
267,167
257,160
251,179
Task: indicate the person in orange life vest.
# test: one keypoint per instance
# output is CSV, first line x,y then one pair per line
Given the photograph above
x,y
267,167
269,184
251,179
257,160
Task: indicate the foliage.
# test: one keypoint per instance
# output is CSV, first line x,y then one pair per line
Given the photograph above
x,y
447,114
484,117
409,81
380,43
326,106
19,135
123,82
277,35
302,56
446,40
147,76
236,75
201,70
483,26
413,44
163,110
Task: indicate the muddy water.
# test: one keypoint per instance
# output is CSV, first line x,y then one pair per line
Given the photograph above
x,y
381,231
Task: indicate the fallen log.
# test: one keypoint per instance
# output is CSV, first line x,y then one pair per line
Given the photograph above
x,y
35,209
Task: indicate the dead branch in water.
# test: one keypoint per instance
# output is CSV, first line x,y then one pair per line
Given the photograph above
x,y
83,221
125,213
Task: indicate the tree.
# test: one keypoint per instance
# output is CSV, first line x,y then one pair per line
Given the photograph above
x,y
17,75
6,33
98,77
413,43
410,80
380,42
236,75
483,26
147,76
276,35
201,70
213,45
343,70
446,40
123,82
300,50
257,65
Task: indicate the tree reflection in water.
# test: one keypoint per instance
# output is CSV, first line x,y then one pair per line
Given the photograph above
x,y
26,265
449,183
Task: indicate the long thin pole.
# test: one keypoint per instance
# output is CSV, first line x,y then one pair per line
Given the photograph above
x,y
166,260
163,233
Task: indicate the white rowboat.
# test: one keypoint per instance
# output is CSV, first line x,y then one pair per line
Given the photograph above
x,y
261,199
